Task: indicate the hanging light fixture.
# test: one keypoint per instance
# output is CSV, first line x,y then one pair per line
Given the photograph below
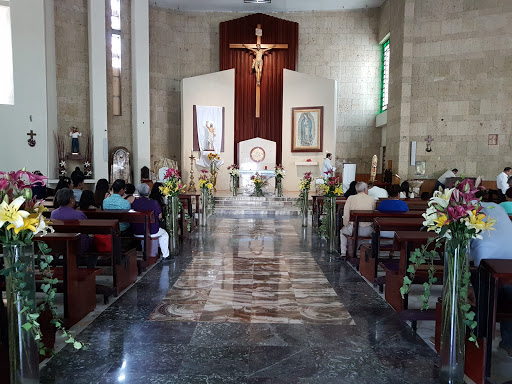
x,y
258,1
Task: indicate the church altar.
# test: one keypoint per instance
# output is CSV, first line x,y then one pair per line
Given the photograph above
x,y
245,179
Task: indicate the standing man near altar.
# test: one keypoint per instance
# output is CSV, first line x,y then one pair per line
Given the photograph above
x,y
327,168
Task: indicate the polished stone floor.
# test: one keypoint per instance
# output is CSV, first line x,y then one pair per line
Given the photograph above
x,y
360,341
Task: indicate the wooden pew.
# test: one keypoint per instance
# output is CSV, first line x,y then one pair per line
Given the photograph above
x,y
360,216
492,275
133,217
78,284
124,266
368,263
407,241
187,197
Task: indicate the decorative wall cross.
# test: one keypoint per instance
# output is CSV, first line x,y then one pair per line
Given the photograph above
x,y
429,141
31,141
258,50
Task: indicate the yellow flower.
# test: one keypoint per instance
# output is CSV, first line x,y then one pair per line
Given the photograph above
x,y
11,213
165,190
30,223
338,191
441,220
209,185
476,221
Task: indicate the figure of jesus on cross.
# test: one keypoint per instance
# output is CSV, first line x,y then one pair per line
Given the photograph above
x,y
259,50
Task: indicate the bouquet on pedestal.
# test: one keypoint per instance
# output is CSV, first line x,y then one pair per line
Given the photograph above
x,y
331,188
234,175
259,182
456,216
214,159
206,187
280,173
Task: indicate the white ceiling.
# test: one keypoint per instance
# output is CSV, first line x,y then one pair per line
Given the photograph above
x,y
275,6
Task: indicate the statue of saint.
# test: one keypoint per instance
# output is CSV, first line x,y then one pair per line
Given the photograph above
x,y
74,134
257,62
211,135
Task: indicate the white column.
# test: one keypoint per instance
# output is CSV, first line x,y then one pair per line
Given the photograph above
x,y
98,87
140,87
51,87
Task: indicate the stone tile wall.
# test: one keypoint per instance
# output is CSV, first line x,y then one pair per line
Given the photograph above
x,y
337,45
460,52
72,57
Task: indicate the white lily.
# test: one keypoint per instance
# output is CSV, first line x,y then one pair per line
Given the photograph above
x,y
11,213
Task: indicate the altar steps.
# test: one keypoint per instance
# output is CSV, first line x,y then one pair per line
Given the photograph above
x,y
249,205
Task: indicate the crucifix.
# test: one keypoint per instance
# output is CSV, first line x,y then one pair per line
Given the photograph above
x,y
429,141
258,50
31,141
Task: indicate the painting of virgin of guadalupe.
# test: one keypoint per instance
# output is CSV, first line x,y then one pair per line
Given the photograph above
x,y
307,129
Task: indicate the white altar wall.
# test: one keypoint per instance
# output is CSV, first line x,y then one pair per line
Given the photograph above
x,y
215,89
302,90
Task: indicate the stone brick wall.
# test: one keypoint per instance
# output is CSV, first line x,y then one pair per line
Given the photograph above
x,y
72,57
337,45
460,54
120,127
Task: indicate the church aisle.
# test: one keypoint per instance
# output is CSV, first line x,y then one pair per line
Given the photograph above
x,y
252,300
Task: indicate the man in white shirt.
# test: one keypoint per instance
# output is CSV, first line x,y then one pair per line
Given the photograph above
x,y
327,168
502,180
442,180
361,201
377,192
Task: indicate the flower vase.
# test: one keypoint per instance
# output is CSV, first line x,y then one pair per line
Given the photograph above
x,y
330,203
214,179
23,349
173,210
279,187
234,185
204,208
453,330
305,207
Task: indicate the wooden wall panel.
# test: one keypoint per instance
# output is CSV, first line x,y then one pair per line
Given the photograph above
x,y
242,31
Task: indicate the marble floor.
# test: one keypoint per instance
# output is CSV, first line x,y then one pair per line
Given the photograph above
x,y
257,300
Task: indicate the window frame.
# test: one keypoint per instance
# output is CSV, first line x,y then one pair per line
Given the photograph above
x,y
385,60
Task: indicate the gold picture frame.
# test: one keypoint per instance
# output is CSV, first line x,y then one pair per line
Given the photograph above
x,y
307,129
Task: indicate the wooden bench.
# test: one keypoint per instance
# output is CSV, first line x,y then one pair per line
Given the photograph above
x,y
78,284
124,264
132,217
492,275
369,261
407,241
187,199
360,216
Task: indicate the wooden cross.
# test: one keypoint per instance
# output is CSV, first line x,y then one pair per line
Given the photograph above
x,y
429,141
259,50
31,141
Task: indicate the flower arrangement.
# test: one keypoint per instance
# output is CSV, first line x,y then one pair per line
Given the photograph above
x,y
332,185
214,159
21,218
259,182
206,187
303,199
280,173
172,185
455,215
234,175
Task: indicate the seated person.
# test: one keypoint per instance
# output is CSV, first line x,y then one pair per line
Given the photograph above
x,y
66,211
128,193
64,182
393,204
87,201
351,189
361,201
377,192
425,196
117,202
496,245
78,186
404,191
38,188
507,205
145,204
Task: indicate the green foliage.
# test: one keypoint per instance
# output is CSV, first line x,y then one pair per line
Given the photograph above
x,y
43,262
